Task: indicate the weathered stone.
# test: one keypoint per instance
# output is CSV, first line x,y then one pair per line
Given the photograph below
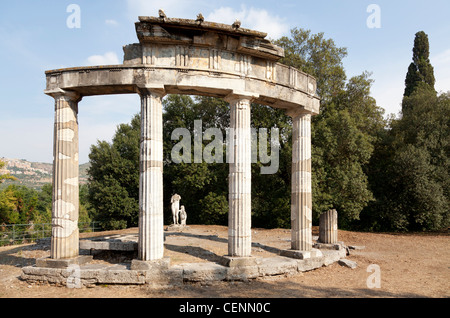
x,y
159,273
328,227
242,273
301,254
151,205
231,261
65,233
310,263
177,228
278,265
63,263
196,272
356,247
113,245
159,264
301,193
239,197
193,57
348,263
327,246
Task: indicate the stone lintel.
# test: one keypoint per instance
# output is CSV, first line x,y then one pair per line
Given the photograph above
x,y
159,264
63,262
301,254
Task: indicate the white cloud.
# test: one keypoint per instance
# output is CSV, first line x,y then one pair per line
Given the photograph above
x,y
253,18
111,22
109,58
172,8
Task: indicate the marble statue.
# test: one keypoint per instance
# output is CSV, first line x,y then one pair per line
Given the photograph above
x,y
175,206
183,216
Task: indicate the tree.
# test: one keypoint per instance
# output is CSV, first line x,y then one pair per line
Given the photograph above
x,y
18,204
344,133
410,167
342,136
114,178
202,186
8,207
418,170
317,56
420,71
5,176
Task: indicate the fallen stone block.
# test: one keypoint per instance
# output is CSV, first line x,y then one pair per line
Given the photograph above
x,y
348,263
356,247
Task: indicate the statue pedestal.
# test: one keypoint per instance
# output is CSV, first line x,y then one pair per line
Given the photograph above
x,y
177,228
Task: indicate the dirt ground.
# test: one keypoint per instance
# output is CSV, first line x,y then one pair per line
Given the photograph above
x,y
411,266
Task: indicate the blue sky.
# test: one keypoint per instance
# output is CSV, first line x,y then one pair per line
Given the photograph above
x,y
35,37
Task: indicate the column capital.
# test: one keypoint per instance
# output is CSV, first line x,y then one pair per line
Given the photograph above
x,y
297,112
157,89
239,95
60,93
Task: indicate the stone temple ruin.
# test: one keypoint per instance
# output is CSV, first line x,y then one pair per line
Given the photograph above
x,y
194,57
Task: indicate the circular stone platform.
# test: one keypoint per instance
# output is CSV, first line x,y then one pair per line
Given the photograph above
x,y
193,254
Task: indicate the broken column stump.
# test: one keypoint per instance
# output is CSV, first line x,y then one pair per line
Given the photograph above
x,y
328,227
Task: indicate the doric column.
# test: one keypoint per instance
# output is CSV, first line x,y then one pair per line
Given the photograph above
x,y
328,227
151,206
239,197
301,197
65,209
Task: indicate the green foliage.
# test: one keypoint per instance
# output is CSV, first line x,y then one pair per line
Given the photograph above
x,y
214,208
271,192
343,137
344,151
198,184
379,174
416,171
114,178
23,205
317,56
344,133
420,73
9,213
410,167
6,176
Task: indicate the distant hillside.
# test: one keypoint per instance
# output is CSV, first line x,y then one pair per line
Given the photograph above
x,y
34,174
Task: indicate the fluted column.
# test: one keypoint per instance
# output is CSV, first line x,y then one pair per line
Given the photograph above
x,y
65,208
328,227
301,197
151,206
239,197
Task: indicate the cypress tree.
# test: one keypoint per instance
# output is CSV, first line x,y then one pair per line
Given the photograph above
x,y
420,71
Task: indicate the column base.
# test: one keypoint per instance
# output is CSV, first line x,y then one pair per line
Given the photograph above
x,y
327,246
159,264
301,254
239,261
63,262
